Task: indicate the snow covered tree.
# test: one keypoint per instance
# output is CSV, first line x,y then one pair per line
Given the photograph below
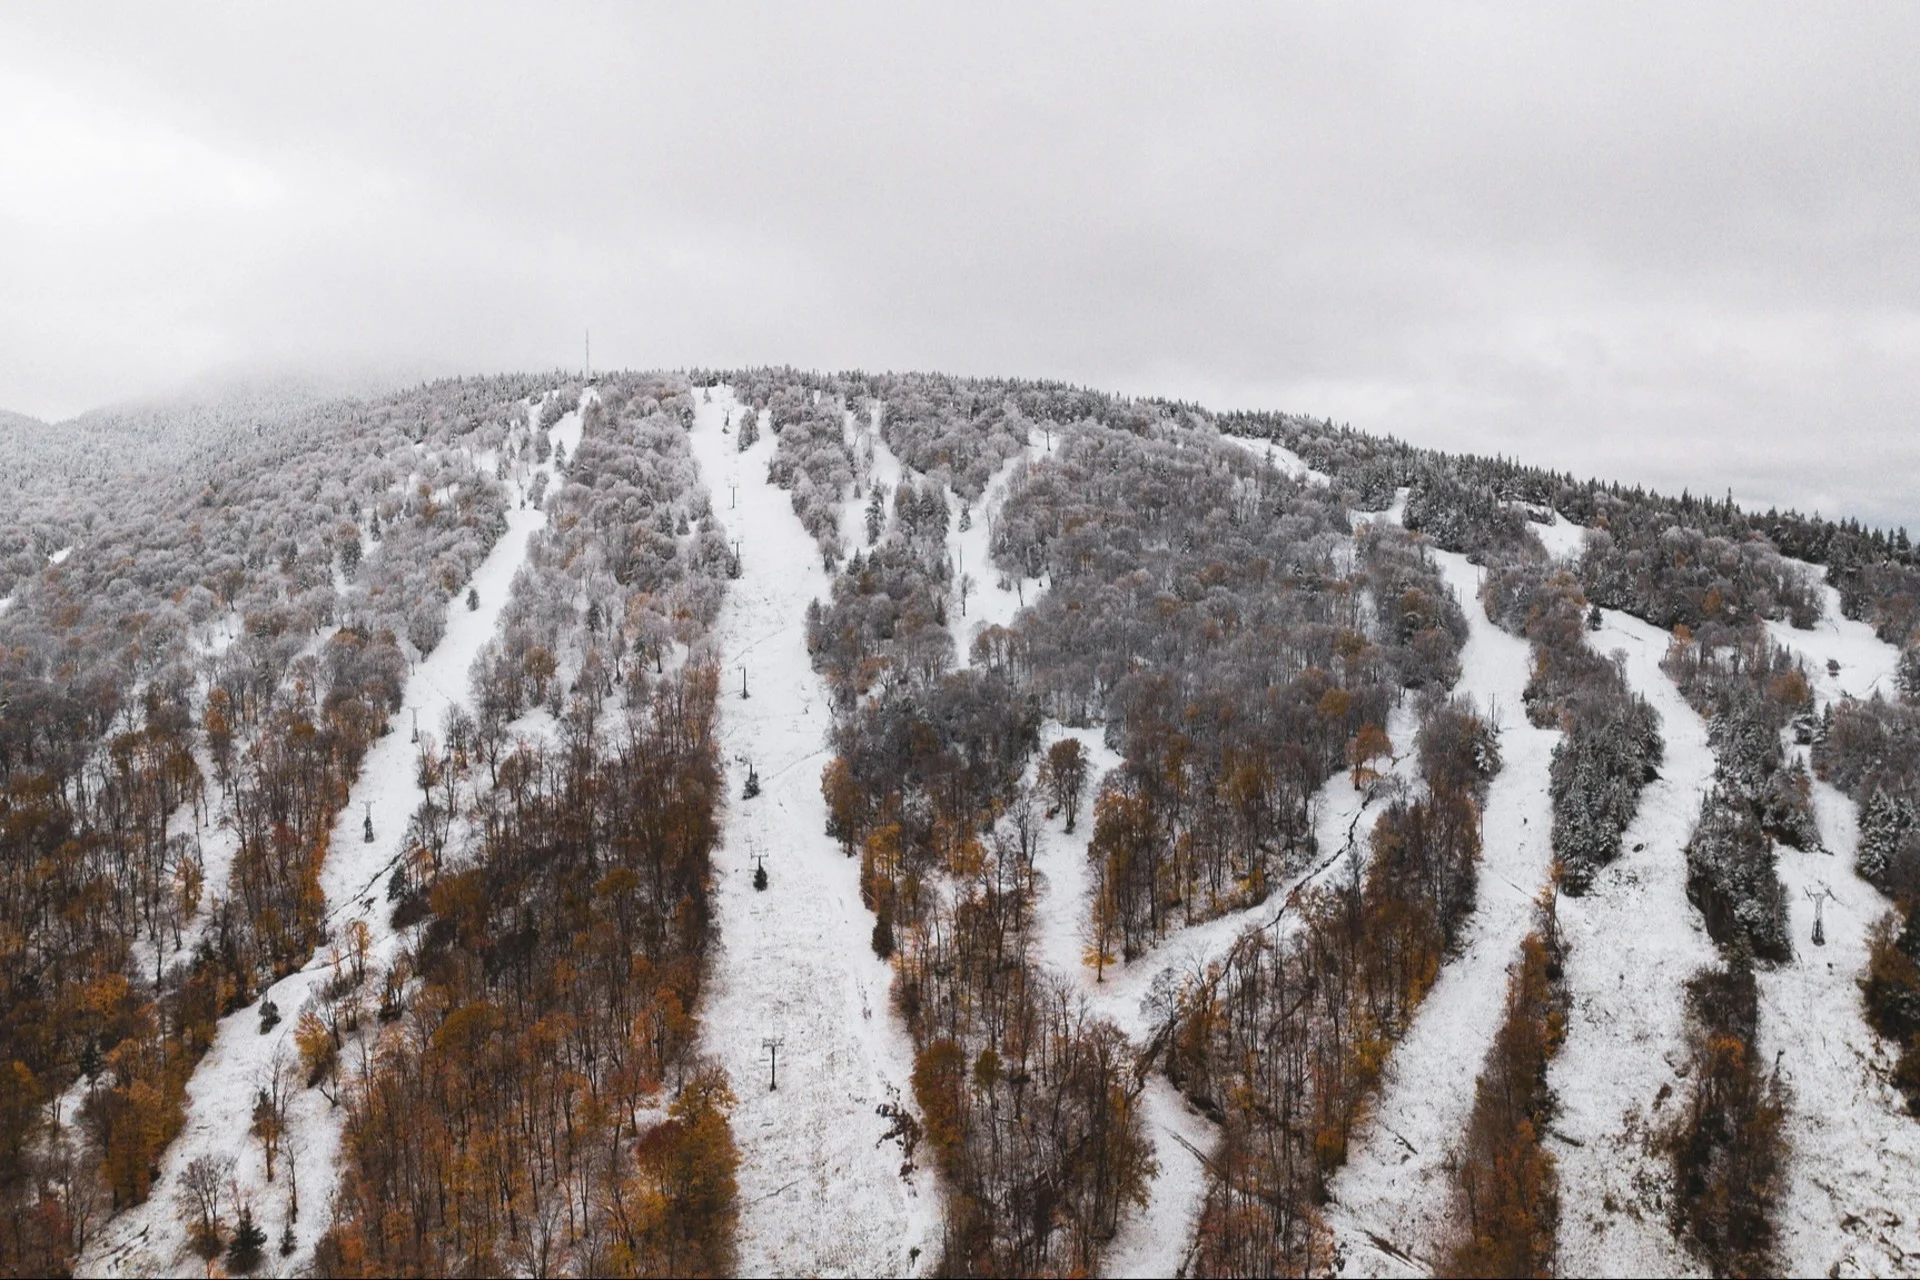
x,y
1889,825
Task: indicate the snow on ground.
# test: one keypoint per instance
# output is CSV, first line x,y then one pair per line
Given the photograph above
x,y
1396,1185
1563,539
1156,1240
1853,1170
60,556
150,1238
881,468
1848,1204
988,603
821,1190
1633,941
1290,463
1867,665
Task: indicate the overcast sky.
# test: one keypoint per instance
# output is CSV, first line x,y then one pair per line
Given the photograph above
x,y
1675,247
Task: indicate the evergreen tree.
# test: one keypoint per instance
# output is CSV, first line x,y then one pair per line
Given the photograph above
x,y
244,1253
1884,826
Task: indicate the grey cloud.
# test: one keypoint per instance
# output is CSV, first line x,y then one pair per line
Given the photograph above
x,y
1670,246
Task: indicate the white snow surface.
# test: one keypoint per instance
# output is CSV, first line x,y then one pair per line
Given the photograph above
x,y
1867,664
821,1188
1563,539
988,604
1848,1204
150,1238
1286,460
1396,1186
1633,941
1156,1240
1853,1167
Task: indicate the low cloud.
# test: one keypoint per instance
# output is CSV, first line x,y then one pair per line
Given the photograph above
x,y
1665,248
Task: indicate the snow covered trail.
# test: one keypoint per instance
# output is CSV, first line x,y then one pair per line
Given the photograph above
x,y
987,603
1288,462
1156,1240
821,1191
1633,942
1563,539
150,1238
1864,664
1395,1185
1853,1165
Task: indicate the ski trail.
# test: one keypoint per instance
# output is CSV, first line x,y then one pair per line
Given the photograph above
x,y
1156,1239
1633,941
821,1189
1862,663
987,603
1853,1168
1396,1185
150,1238
1289,463
1563,539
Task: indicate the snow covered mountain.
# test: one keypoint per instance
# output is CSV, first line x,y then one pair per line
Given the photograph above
x,y
776,822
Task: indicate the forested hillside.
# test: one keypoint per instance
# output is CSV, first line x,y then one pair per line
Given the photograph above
x,y
777,821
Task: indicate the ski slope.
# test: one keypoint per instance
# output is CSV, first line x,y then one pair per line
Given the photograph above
x,y
1633,941
150,1238
1563,539
1848,1204
821,1186
1396,1185
1862,663
987,603
1289,463
1156,1239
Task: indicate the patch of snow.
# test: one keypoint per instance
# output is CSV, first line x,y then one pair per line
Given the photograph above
x,y
1633,942
1394,513
821,1188
1397,1184
1853,1163
1157,1240
1866,664
988,603
60,556
1563,539
1289,463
